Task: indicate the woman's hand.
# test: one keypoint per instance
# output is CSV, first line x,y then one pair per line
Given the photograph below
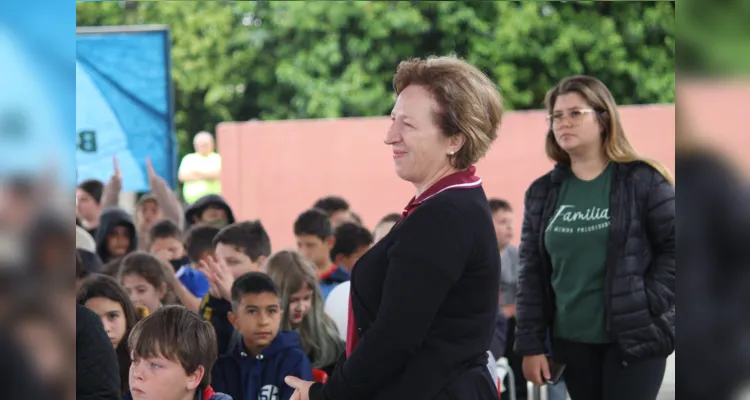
x,y
301,388
536,369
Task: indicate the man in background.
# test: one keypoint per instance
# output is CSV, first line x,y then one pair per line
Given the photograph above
x,y
200,171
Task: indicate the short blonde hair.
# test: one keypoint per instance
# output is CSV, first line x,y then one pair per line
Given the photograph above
x,y
470,104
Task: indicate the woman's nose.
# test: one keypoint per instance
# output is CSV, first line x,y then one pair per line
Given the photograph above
x,y
393,135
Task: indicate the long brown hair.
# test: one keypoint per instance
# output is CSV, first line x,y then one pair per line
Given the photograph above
x,y
617,148
318,333
107,287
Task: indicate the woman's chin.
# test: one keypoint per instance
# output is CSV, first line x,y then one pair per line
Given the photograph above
x,y
404,174
568,146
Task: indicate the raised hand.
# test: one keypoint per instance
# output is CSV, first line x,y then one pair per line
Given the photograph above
x,y
150,169
117,174
219,276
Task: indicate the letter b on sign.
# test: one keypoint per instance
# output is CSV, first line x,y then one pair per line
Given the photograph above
x,y
87,141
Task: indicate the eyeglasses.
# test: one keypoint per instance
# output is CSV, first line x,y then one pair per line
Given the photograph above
x,y
572,115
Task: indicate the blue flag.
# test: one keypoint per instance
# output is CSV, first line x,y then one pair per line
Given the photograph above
x,y
124,104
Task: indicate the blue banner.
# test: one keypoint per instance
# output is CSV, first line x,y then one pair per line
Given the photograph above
x,y
124,105
36,81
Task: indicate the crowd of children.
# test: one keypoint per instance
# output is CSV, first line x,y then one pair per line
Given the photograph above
x,y
209,311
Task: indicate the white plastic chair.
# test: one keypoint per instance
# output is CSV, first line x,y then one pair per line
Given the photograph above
x,y
504,369
534,392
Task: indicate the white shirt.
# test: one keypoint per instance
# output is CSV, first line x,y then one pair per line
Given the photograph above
x,y
337,307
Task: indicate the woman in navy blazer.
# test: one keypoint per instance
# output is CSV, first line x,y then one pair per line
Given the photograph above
x,y
423,300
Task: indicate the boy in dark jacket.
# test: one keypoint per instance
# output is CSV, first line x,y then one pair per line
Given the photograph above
x,y
256,366
239,248
173,351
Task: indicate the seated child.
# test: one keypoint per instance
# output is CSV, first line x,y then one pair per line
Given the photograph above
x,y
315,240
147,280
352,241
165,243
257,364
239,248
104,296
173,351
116,235
199,243
210,209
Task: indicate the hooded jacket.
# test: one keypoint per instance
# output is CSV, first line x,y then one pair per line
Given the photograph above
x,y
196,209
215,310
245,377
109,219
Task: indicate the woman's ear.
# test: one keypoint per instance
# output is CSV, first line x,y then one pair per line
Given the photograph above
x,y
456,142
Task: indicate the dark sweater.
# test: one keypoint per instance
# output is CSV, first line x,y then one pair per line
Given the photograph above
x,y
215,310
424,302
97,371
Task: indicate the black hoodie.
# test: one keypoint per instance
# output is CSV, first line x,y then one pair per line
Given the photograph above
x,y
97,371
196,209
110,218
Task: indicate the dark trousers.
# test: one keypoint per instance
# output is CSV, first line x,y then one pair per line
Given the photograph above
x,y
474,384
516,364
598,372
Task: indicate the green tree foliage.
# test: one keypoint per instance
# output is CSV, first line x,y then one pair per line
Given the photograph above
x,y
713,38
235,61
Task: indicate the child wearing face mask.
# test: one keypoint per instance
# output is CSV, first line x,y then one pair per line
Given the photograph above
x,y
148,281
104,296
302,305
165,243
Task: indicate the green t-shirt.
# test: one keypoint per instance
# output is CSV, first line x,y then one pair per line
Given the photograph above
x,y
576,239
194,190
